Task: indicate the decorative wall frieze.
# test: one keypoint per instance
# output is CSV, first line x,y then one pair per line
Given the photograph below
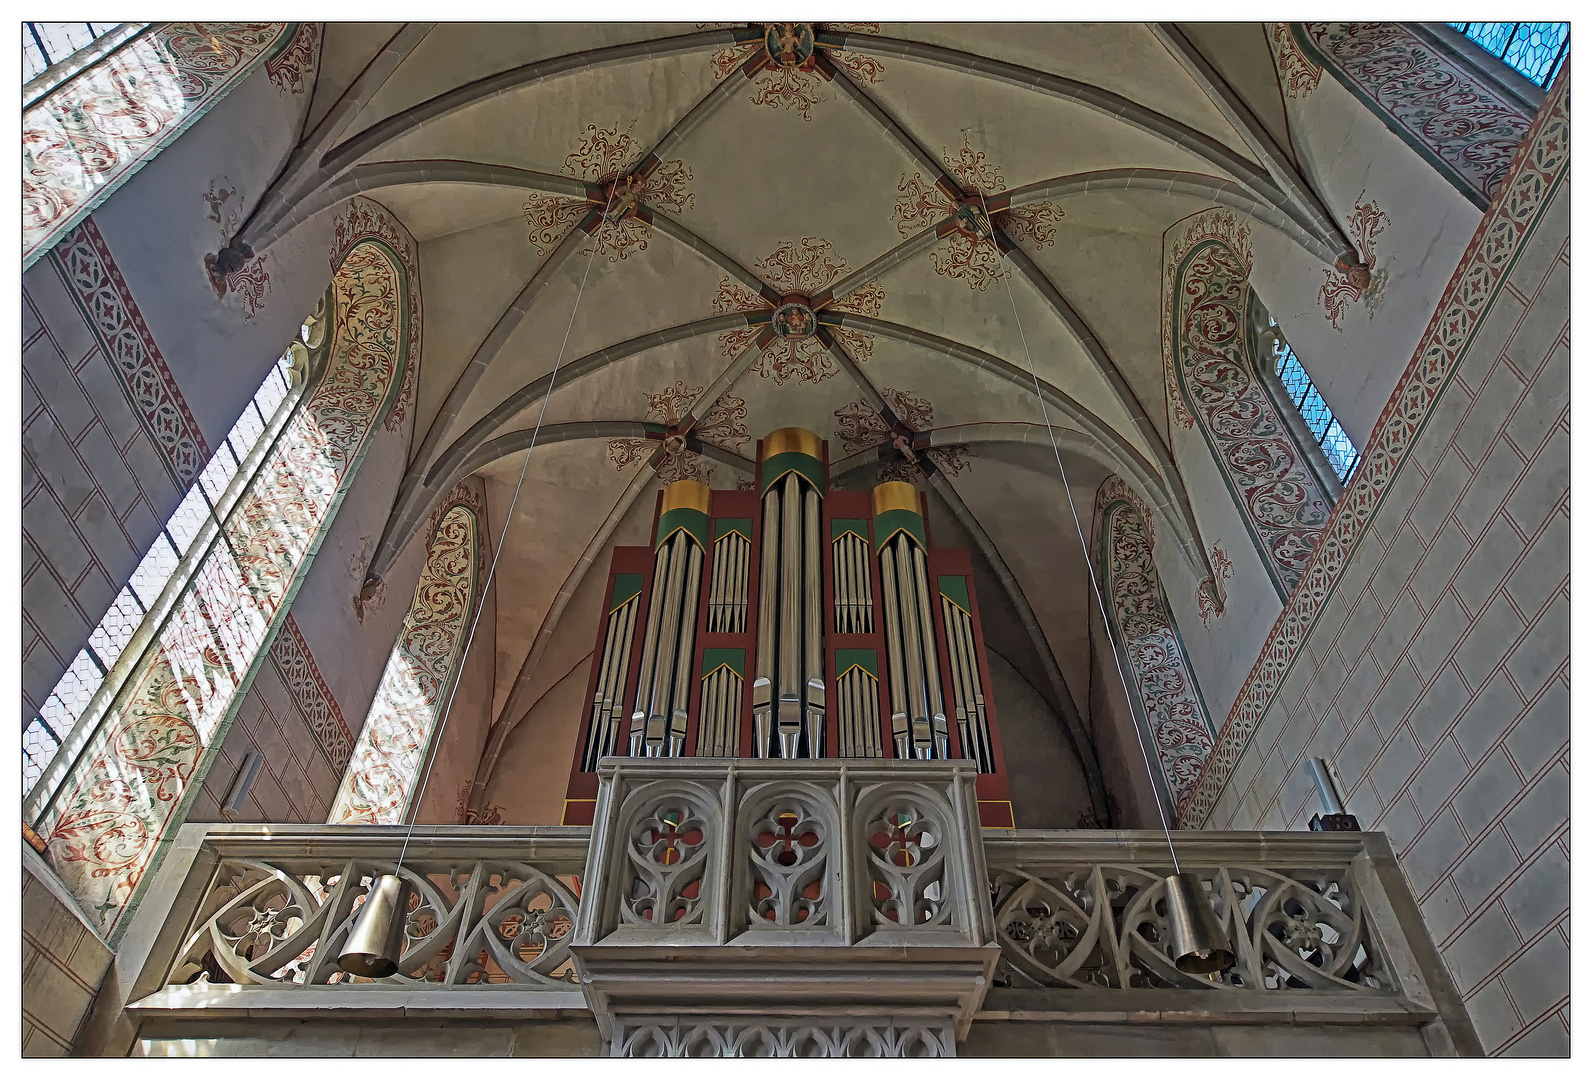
x,y
1296,72
366,219
384,771
86,137
1541,166
1450,116
292,70
1212,384
291,655
1174,713
1213,590
101,293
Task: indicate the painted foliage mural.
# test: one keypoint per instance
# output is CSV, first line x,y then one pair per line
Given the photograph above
x,y
1174,712
1212,385
137,770
1466,130
81,141
383,773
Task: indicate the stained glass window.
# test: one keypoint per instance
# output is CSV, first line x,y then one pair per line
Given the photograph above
x,y
46,44
1335,444
1535,49
43,734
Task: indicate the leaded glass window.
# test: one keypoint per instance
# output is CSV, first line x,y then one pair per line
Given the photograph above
x,y
1535,49
46,44
1335,443
43,734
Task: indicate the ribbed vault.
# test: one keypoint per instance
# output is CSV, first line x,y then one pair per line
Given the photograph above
x,y
973,212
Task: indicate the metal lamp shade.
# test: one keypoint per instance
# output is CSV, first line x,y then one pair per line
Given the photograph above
x,y
378,935
1198,945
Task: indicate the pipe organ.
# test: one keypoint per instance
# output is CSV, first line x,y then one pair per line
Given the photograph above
x,y
790,621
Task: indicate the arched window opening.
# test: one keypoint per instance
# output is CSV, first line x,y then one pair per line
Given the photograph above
x,y
196,518
1535,49
382,781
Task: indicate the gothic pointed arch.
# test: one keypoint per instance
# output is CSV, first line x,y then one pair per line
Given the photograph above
x,y
1212,384
1164,694
386,770
134,765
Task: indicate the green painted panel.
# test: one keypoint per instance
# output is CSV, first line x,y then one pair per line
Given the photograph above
x,y
691,520
725,526
734,659
780,464
626,587
954,589
846,659
841,526
891,522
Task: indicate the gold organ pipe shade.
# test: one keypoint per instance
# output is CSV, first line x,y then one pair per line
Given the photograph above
x,y
895,495
796,440
1198,945
377,939
687,495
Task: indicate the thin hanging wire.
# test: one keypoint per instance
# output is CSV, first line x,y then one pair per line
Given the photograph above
x,y
508,520
1094,583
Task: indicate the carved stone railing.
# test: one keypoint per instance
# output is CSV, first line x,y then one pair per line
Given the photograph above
x,y
800,908
807,908
1321,925
490,910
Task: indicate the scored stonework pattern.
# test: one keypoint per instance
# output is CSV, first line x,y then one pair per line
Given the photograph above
x,y
1211,379
93,132
1448,115
97,285
291,655
392,745
137,770
1542,164
1174,711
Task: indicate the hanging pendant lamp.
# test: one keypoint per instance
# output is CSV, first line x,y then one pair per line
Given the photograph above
x,y
1198,945
377,939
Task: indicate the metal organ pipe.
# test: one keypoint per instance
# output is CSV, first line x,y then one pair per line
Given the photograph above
x,y
663,692
767,602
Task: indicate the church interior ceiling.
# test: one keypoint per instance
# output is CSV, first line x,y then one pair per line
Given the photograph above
x,y
719,230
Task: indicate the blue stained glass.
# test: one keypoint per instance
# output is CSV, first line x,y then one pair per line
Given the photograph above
x,y
1536,50
1335,443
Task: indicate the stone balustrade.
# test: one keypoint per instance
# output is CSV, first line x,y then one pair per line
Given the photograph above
x,y
790,908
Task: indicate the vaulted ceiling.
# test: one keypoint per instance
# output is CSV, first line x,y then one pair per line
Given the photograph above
x,y
843,179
